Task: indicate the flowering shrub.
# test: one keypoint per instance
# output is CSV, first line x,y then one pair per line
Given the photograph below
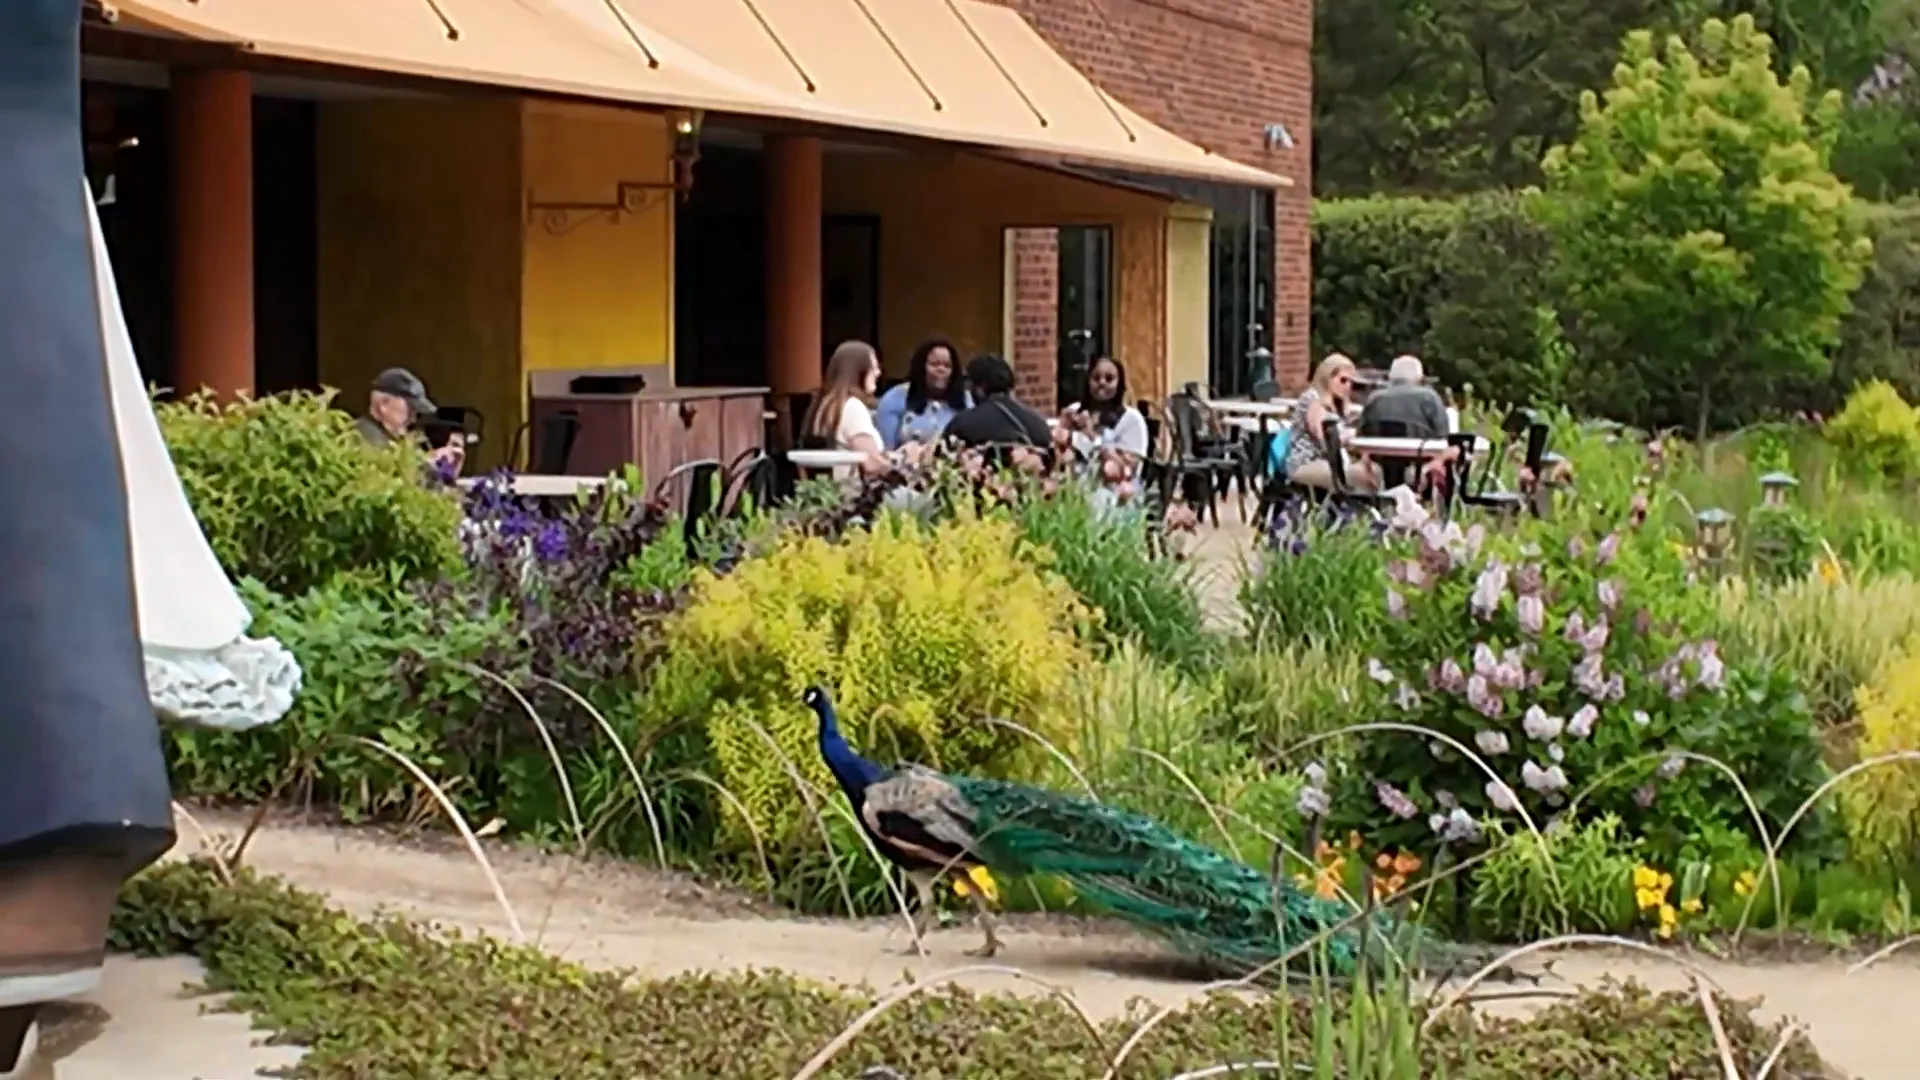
x,y
1568,668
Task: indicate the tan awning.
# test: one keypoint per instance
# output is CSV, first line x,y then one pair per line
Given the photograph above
x,y
964,71
511,43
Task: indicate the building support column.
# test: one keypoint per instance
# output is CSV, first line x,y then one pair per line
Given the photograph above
x,y
212,122
794,208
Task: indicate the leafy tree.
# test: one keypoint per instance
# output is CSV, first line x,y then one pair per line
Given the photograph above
x,y
1700,231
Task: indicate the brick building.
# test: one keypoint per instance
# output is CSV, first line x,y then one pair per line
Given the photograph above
x,y
1220,73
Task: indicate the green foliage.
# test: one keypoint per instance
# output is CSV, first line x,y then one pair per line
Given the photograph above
x,y
386,1000
1883,801
1379,264
1315,583
289,494
1835,633
1109,560
1578,879
922,634
1878,433
1698,226
1880,338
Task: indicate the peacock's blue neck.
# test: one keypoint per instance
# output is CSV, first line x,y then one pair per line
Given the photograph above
x,y
852,771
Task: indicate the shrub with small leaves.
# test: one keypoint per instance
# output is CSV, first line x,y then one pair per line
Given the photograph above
x,y
288,493
1883,801
1877,432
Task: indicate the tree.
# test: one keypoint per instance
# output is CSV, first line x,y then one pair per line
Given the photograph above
x,y
1705,246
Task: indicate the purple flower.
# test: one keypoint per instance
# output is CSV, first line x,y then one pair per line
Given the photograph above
x,y
1609,592
550,543
1488,589
1587,676
1712,670
1501,796
1545,780
1491,743
1511,672
1580,724
1608,549
1533,615
1643,796
1484,661
1595,639
1528,580
1615,688
1456,826
1395,800
1576,627
1482,698
1451,679
1297,547
1540,725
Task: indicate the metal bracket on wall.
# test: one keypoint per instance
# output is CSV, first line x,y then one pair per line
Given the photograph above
x,y
630,198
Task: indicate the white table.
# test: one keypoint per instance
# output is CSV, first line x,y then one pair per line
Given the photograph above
x,y
544,487
1244,423
1279,408
826,459
1416,449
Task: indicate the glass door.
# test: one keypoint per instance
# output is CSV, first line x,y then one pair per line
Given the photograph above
x,y
1086,306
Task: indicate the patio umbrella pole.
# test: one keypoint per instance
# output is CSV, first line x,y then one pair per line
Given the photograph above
x,y
83,787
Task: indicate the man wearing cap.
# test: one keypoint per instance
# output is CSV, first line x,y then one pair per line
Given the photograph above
x,y
397,402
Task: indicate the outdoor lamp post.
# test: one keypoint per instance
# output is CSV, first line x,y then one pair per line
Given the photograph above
x,y
1714,527
1776,488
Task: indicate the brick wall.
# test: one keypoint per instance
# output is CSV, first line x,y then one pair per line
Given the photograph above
x,y
1036,326
1216,72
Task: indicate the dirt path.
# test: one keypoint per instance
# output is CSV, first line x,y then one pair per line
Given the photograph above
x,y
613,915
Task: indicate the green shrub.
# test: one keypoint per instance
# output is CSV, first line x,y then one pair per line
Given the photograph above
x,y
1834,632
1109,561
1877,433
1580,880
1316,583
922,634
352,644
1880,338
1379,266
385,999
289,494
1883,802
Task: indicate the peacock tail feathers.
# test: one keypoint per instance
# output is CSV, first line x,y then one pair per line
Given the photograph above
x,y
1206,904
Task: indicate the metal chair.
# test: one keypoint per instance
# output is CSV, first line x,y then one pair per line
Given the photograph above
x,y
752,483
1343,491
553,446
1199,466
692,489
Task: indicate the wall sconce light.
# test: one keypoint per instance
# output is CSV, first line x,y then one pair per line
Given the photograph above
x,y
1776,487
630,196
1278,137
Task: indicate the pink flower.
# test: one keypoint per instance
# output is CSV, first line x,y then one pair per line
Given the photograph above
x,y
1395,800
1482,698
1609,547
1491,743
1396,605
1451,678
1712,670
1580,724
1540,725
1609,593
1483,659
1576,627
1533,615
1545,780
1488,589
1501,796
1379,672
1595,639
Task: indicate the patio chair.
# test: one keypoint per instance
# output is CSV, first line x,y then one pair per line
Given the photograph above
x,y
692,488
449,421
552,445
1200,465
1343,492
752,483
1518,423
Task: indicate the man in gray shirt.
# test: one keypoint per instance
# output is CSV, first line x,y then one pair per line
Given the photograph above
x,y
1407,406
395,404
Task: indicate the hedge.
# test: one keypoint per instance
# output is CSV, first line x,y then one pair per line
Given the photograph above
x,y
1465,284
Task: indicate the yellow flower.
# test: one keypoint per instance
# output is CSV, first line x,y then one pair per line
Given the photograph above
x,y
1645,899
1829,570
1692,905
1669,918
1744,884
1645,877
1666,882
981,879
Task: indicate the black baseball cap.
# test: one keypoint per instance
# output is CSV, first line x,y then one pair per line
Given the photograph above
x,y
406,386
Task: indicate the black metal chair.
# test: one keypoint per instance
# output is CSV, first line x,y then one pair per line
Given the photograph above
x,y
1343,491
552,445
693,490
1519,423
1201,466
752,484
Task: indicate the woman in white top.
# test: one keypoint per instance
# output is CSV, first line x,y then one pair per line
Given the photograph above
x,y
1106,432
841,414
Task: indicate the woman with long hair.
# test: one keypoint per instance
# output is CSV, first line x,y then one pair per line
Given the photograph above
x,y
840,416
917,411
1329,397
1106,432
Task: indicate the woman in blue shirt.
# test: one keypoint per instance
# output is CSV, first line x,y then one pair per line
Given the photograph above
x,y
918,410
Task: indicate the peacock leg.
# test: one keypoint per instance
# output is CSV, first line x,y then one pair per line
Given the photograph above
x,y
992,944
923,889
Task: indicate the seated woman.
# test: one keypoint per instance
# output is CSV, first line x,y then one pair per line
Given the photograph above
x,y
917,411
840,416
1107,433
1329,397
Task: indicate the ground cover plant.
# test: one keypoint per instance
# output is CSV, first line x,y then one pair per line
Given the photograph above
x,y
387,999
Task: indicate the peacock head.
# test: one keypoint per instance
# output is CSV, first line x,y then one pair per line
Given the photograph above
x,y
817,700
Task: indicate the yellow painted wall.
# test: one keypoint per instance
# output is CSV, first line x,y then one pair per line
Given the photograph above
x,y
419,253
1189,294
598,289
942,255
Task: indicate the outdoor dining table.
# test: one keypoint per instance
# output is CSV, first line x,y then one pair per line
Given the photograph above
x,y
1277,409
826,459
1414,449
538,486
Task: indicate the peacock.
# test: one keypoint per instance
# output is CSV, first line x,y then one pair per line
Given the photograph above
x,y
1220,911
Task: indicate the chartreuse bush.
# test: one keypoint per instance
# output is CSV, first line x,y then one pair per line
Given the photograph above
x,y
1877,433
1883,802
921,632
387,1000
287,493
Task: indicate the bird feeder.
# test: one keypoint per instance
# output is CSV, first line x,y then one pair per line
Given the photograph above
x,y
1714,529
1776,488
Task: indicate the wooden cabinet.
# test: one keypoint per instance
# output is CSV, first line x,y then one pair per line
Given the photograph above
x,y
658,430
